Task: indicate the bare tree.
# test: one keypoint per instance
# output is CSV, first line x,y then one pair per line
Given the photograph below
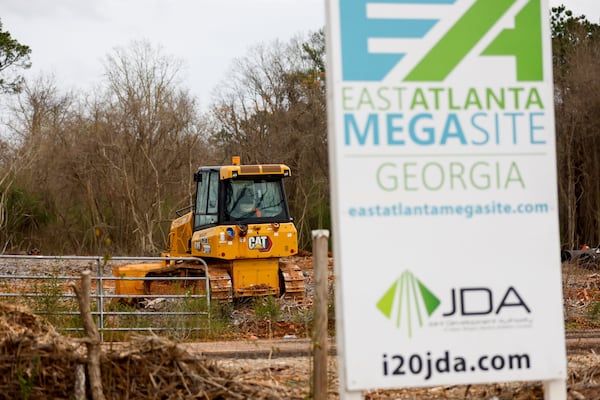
x,y
576,48
147,132
272,110
111,168
38,113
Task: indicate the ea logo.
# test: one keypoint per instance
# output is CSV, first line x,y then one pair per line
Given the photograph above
x,y
472,32
260,243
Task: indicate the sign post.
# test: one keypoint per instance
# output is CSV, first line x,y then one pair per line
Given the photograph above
x,y
444,196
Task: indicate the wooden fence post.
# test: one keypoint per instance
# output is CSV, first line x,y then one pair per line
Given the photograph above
x,y
320,344
92,337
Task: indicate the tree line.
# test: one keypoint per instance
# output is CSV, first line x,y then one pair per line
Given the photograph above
x,y
105,171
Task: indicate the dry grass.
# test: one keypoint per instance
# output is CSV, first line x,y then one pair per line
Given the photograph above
x,y
581,294
38,363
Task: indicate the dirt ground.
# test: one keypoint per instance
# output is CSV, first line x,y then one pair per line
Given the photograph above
x,y
295,375
581,289
38,363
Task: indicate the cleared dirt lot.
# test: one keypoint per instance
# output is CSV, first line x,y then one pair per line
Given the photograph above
x,y
270,362
36,362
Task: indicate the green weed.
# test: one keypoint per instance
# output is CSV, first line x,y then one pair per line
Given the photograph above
x,y
593,312
267,308
27,379
47,298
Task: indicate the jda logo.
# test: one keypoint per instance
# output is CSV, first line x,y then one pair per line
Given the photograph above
x,y
260,243
481,301
430,31
408,299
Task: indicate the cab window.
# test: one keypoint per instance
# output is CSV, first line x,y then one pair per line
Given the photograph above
x,y
254,199
207,204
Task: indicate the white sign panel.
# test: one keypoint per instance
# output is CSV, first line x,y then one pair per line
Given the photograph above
x,y
444,191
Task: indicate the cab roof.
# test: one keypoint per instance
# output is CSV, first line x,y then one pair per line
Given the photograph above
x,y
233,171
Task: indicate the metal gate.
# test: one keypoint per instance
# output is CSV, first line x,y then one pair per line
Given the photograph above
x,y
42,283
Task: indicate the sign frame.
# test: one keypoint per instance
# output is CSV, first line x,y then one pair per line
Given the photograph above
x,y
386,107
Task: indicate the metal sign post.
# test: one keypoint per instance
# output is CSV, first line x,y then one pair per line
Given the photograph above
x,y
444,195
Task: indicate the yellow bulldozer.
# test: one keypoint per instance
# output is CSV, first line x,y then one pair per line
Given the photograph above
x,y
240,226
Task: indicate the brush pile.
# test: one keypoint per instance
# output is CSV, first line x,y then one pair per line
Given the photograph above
x,y
38,363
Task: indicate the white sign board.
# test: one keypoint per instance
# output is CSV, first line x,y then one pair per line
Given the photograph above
x,y
444,192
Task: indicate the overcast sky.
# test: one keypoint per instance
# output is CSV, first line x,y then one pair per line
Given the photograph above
x,y
71,38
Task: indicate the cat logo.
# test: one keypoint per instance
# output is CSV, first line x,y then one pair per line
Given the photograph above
x,y
260,243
